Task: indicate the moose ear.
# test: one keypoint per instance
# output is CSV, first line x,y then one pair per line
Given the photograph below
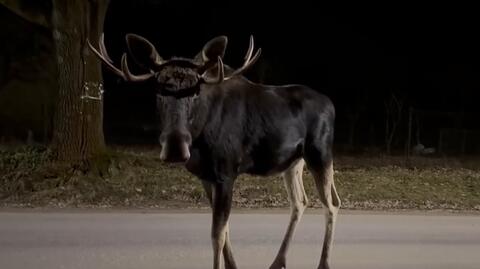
x,y
212,50
143,51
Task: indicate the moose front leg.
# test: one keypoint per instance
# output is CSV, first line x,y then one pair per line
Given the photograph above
x,y
221,206
227,249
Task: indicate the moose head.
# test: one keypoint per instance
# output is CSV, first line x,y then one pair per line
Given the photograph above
x,y
178,83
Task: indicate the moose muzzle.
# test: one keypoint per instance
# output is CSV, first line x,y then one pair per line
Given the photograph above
x,y
175,147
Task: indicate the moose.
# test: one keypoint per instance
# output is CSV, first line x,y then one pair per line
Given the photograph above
x,y
219,124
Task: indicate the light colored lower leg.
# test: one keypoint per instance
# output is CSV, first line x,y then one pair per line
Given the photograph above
x,y
298,203
218,241
330,223
330,199
221,207
227,250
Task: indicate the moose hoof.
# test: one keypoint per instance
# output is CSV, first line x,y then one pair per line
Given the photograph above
x,y
278,264
324,266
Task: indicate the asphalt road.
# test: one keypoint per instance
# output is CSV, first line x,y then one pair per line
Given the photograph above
x,y
181,240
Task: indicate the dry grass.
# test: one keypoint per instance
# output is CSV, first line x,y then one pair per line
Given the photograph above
x,y
137,179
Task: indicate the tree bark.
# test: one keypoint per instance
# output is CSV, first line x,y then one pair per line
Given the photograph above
x,y
78,126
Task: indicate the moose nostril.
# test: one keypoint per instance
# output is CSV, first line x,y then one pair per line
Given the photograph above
x,y
175,150
185,152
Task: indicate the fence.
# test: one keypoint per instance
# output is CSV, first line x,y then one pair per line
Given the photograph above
x,y
448,133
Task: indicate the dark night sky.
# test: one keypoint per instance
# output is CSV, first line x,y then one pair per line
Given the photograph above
x,y
427,55
356,55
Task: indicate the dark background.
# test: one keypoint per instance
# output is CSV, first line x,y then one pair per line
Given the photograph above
x,y
427,56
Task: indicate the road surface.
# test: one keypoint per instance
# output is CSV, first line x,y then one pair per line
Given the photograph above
x,y
136,240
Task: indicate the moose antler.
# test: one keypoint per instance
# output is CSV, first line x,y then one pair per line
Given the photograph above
x,y
220,74
124,72
248,62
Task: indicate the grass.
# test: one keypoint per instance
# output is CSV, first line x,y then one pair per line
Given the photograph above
x,y
137,179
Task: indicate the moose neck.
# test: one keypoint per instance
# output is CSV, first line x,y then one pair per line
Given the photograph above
x,y
202,107
210,102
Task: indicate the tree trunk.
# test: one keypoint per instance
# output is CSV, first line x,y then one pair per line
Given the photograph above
x,y
78,126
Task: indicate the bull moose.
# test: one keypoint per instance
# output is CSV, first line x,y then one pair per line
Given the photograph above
x,y
220,125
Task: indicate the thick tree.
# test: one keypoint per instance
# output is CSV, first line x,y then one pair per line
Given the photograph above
x,y
78,125
78,129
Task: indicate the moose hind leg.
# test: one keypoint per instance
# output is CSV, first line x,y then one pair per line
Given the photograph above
x,y
227,249
298,202
323,175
